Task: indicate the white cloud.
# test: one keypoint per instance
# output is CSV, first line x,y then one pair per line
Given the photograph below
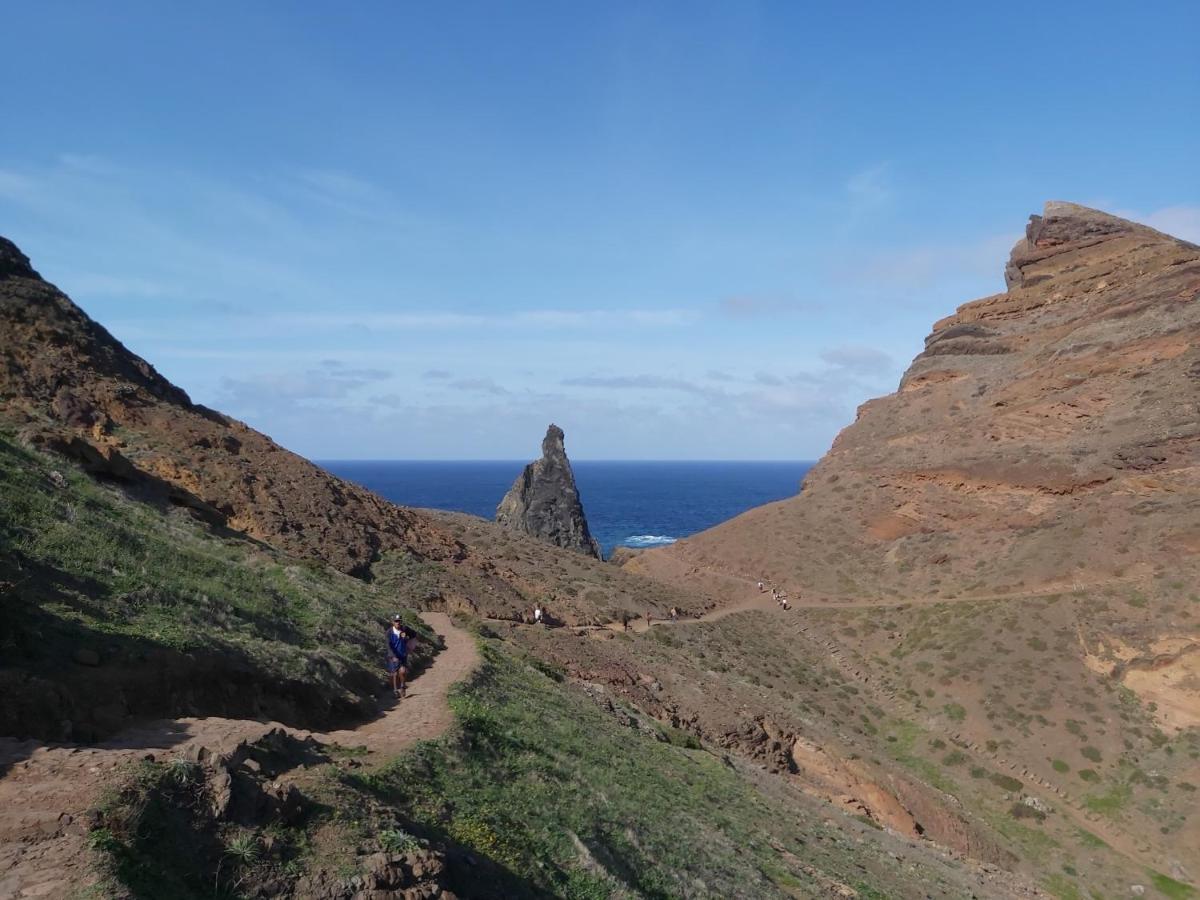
x,y
1178,221
871,186
921,266
635,382
478,385
860,360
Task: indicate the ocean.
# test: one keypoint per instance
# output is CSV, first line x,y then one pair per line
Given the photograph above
x,y
632,504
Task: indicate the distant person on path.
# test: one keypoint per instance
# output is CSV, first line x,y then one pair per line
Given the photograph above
x,y
625,620
674,614
761,587
537,614
398,639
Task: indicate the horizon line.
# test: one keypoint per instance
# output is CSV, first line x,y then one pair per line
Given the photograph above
x,y
527,460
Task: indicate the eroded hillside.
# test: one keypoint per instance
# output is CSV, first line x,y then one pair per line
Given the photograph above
x,y
1003,554
1047,438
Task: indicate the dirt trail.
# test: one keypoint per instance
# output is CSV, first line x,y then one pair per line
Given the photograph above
x,y
46,789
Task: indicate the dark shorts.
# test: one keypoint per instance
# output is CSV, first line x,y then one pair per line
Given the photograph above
x,y
394,664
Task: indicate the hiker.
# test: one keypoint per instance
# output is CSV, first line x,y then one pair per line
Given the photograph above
x,y
625,619
537,614
674,614
761,587
397,666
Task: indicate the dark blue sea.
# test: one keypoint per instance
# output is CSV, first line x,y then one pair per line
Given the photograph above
x,y
635,504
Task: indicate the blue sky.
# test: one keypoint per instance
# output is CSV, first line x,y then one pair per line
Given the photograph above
x,y
381,230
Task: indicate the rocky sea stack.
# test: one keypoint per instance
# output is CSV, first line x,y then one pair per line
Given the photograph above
x,y
544,501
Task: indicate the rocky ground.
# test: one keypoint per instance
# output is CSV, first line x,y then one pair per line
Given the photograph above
x,y
1003,549
985,684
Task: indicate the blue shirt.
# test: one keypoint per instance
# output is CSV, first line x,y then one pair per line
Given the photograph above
x,y
398,643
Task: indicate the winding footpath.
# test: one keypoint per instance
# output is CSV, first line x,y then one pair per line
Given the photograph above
x,y
45,789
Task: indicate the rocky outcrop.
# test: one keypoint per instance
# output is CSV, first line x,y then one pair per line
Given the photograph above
x,y
67,385
544,501
1046,438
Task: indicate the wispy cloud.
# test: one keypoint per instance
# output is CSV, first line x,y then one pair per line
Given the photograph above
x,y
632,382
921,266
747,306
331,380
871,186
564,320
1178,221
860,360
478,385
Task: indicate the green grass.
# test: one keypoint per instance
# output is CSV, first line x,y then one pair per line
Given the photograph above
x,y
955,712
91,569
904,738
536,769
1062,887
153,841
1169,887
1112,801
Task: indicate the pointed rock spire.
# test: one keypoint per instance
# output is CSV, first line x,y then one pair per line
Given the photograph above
x,y
544,501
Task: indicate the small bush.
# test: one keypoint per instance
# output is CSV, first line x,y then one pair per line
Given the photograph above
x,y
1024,811
1005,782
955,712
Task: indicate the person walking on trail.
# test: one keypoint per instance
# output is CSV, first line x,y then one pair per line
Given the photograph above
x,y
537,614
399,637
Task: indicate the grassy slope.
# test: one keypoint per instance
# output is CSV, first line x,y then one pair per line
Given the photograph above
x,y
539,779
86,568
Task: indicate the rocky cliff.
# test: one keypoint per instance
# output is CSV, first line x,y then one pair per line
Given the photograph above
x,y
1046,437
70,386
1005,551
544,501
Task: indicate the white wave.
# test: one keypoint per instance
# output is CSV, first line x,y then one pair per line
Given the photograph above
x,y
648,540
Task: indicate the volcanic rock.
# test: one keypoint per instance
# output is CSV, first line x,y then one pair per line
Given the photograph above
x,y
69,386
1047,438
544,501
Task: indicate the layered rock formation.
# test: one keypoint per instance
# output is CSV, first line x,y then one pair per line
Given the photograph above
x,y
1005,550
544,501
1047,437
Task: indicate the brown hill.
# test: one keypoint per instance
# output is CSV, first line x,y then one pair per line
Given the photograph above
x,y
1046,438
1001,559
69,386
